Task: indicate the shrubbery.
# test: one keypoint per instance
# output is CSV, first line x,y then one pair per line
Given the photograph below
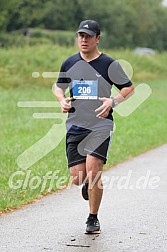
x,y
127,23
35,36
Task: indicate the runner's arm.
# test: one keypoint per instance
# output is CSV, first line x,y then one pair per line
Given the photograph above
x,y
109,103
64,101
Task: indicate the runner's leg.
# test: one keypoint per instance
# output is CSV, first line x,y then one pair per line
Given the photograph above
x,y
78,173
94,167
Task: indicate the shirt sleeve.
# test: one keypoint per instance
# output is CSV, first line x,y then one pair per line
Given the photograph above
x,y
63,81
118,76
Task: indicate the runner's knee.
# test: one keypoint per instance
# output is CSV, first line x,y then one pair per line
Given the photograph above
x,y
77,175
76,180
94,176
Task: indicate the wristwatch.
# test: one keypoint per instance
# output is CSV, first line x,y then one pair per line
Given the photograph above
x,y
114,102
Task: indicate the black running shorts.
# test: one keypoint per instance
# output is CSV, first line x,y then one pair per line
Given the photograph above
x,y
94,143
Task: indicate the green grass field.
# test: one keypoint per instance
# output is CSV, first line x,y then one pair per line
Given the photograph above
x,y
144,129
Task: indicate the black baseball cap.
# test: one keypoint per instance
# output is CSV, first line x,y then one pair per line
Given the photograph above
x,y
90,27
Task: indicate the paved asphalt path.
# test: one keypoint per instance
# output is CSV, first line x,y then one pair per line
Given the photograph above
x,y
133,214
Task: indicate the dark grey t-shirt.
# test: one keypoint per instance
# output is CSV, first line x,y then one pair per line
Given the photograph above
x,y
102,71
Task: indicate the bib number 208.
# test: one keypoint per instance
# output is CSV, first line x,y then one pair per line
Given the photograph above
x,y
84,90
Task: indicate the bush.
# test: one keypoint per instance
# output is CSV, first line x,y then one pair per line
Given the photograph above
x,y
18,40
66,38
36,36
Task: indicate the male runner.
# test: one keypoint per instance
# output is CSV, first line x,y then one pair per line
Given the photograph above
x,y
89,75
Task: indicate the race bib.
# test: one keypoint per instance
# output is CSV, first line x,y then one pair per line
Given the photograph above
x,y
85,89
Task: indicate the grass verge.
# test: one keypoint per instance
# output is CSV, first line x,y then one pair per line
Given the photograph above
x,y
144,129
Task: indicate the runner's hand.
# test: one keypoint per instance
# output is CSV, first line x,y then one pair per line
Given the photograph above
x,y
104,108
65,106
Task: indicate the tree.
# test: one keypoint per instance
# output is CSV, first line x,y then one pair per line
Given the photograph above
x,y
127,23
6,9
62,14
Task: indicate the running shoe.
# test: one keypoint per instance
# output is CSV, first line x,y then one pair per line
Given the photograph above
x,y
85,191
93,226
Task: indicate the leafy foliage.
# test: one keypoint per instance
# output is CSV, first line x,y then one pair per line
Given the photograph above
x,y
127,23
